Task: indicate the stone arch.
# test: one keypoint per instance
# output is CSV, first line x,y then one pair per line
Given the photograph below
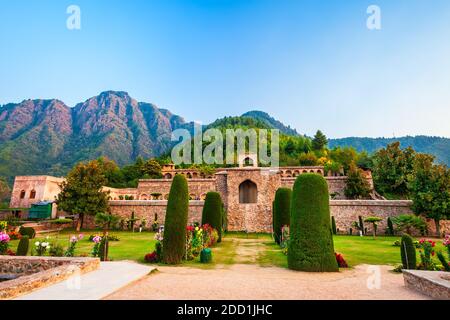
x,y
192,196
203,196
144,197
305,171
168,176
311,171
296,173
194,175
166,196
288,173
248,192
22,194
33,194
189,175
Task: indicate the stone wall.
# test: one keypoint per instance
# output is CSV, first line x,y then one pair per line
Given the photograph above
x,y
37,272
151,210
198,188
346,212
336,185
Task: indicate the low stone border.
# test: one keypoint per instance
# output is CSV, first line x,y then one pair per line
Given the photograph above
x,y
435,284
47,271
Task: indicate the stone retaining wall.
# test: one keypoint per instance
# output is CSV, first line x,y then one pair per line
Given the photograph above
x,y
346,212
37,272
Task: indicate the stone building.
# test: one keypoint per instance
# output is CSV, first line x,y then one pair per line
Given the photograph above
x,y
247,192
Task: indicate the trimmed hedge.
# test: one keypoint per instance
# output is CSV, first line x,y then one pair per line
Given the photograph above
x,y
311,245
408,252
281,211
333,225
212,212
174,241
22,247
28,231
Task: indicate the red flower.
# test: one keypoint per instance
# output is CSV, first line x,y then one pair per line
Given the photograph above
x,y
151,257
340,260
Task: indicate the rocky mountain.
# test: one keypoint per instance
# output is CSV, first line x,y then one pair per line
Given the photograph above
x,y
48,137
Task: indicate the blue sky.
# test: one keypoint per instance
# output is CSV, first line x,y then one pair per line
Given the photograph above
x,y
313,65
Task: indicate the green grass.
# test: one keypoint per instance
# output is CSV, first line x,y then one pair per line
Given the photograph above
x,y
134,246
356,250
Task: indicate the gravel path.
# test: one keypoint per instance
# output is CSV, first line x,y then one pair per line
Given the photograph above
x,y
244,282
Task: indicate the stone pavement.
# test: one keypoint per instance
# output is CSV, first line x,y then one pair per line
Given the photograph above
x,y
94,285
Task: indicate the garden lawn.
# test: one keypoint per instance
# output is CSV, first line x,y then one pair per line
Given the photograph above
x,y
356,250
132,245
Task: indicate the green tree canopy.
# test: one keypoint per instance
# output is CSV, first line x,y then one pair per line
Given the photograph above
x,y
81,192
320,141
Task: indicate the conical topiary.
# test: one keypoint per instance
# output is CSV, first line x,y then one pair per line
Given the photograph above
x,y
174,241
212,212
281,211
311,245
408,252
22,247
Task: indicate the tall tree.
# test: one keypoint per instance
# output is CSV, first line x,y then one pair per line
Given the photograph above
x,y
152,169
81,192
5,191
357,186
320,141
429,187
392,165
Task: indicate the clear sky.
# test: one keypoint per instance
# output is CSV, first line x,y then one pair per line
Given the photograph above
x,y
311,64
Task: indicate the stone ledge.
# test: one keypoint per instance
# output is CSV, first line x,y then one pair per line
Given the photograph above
x,y
382,203
30,282
435,284
150,202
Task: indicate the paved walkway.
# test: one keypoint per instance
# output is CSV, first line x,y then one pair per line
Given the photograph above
x,y
94,285
249,281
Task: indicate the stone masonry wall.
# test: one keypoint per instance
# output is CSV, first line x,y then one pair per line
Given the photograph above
x,y
346,212
152,209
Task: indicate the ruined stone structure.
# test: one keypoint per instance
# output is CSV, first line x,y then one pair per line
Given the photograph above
x,y
247,192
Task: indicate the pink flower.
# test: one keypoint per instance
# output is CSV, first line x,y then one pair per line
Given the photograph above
x,y
80,236
97,239
4,237
73,239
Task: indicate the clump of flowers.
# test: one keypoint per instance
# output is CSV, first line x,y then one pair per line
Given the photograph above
x,y
4,242
340,260
151,257
3,225
446,244
284,244
41,247
426,251
14,235
96,249
70,252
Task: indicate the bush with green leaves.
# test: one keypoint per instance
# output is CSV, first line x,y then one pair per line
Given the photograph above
x,y
333,225
281,212
374,221
28,231
22,247
311,245
408,252
213,211
409,222
176,221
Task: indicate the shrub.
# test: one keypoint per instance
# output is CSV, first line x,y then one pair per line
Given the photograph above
x,y
212,212
56,250
408,252
374,221
28,231
176,221
426,250
333,225
206,256
357,186
151,257
311,241
23,246
390,227
408,222
281,211
361,224
443,261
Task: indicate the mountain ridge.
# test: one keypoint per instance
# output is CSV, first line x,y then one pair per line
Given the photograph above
x,y
45,136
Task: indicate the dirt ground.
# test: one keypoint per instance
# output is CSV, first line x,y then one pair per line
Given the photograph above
x,y
245,282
